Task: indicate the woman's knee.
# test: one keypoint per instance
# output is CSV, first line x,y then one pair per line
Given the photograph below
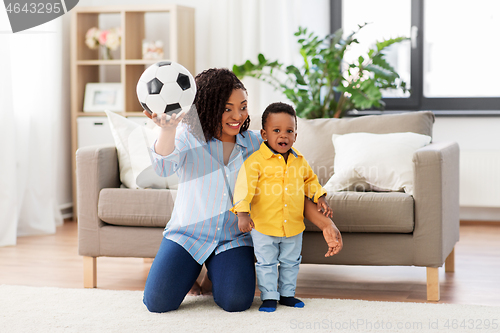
x,y
232,273
172,274
235,303
159,305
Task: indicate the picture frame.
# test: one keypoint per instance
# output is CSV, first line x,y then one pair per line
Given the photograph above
x,y
103,96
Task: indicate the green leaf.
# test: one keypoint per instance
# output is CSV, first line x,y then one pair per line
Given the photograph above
x,y
262,59
295,71
382,72
360,101
236,71
388,42
380,61
289,93
304,56
249,66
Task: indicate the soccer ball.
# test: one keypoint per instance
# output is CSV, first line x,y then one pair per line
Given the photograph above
x,y
166,87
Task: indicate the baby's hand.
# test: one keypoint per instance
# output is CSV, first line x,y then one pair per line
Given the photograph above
x,y
245,223
161,120
334,240
322,204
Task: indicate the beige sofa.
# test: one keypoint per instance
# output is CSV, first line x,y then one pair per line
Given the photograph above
x,y
379,228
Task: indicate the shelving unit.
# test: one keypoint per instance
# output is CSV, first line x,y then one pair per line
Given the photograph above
x,y
137,23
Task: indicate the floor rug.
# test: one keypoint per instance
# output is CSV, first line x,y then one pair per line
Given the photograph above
x,y
35,309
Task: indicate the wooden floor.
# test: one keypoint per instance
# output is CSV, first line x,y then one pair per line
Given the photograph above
x,y
53,261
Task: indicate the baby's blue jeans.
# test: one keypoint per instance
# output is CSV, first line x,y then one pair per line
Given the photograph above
x,y
273,280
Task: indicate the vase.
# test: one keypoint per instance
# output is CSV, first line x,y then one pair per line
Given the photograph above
x,y
106,53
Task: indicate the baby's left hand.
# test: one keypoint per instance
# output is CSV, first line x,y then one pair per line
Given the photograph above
x,y
334,240
322,204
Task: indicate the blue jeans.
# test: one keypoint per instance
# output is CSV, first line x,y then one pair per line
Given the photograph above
x,y
174,272
270,251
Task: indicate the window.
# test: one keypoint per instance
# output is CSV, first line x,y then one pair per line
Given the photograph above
x,y
451,61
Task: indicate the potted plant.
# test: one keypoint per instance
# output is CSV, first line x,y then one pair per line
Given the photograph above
x,y
327,85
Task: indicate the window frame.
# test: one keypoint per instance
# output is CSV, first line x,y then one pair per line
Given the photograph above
x,y
453,106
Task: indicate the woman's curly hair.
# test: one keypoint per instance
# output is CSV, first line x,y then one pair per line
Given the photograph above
x,y
214,87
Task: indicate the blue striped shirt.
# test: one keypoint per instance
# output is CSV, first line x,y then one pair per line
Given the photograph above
x,y
201,221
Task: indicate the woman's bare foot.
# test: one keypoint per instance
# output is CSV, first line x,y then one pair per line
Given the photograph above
x,y
206,286
195,289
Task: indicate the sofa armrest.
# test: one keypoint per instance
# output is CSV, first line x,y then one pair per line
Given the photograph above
x,y
96,168
436,195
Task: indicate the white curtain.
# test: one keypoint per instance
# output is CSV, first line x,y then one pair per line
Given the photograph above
x,y
30,140
241,29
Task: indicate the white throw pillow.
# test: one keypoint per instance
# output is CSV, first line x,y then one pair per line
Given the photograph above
x,y
383,161
132,143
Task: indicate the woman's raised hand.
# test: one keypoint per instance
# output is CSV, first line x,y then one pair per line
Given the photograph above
x,y
165,144
161,120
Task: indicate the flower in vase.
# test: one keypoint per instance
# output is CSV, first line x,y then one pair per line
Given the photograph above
x,y
113,38
103,37
110,39
92,38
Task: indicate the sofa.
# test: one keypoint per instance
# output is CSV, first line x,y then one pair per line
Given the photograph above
x,y
385,228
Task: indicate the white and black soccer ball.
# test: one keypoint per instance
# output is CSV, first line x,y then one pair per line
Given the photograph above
x,y
166,87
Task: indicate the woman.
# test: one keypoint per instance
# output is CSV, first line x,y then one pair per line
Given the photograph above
x,y
206,150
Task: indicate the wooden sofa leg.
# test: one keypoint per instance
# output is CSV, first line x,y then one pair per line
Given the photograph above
x,y
89,272
449,264
433,284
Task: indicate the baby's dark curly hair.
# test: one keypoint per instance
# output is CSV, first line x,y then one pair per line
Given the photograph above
x,y
278,107
214,87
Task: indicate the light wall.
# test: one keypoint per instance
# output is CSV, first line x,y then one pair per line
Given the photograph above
x,y
472,133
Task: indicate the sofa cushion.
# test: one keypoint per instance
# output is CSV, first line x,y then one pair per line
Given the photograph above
x,y
136,207
132,144
384,161
314,135
388,212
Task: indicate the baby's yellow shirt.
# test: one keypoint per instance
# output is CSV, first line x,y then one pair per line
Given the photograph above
x,y
272,191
